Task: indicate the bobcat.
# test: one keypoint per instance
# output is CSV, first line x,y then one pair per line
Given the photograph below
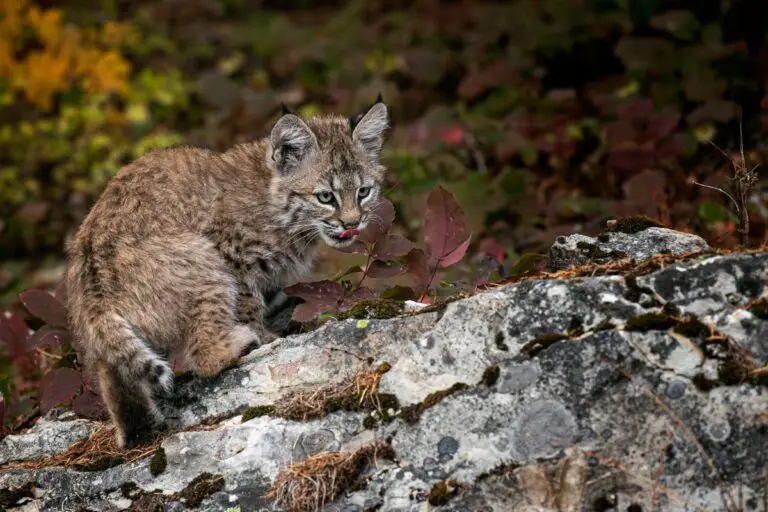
x,y
180,251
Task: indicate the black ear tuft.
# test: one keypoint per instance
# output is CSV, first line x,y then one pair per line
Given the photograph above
x,y
285,110
354,120
379,99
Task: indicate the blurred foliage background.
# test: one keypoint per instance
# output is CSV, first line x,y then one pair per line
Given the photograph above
x,y
543,117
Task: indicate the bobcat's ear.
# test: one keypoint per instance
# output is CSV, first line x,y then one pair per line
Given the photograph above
x,y
368,130
290,142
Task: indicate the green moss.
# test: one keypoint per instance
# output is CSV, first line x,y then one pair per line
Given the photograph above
x,y
490,375
130,490
257,411
200,488
442,492
370,422
388,401
759,308
342,403
605,325
703,383
731,372
693,328
650,322
759,379
378,309
412,413
152,502
158,462
634,224
536,345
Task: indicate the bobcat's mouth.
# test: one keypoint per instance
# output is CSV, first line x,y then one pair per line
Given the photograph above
x,y
341,238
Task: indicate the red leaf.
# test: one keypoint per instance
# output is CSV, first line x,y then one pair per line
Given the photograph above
x,y
358,295
309,311
444,223
663,123
417,262
89,405
59,385
381,217
61,292
452,135
491,248
45,307
14,331
47,335
354,269
391,247
384,270
317,291
455,256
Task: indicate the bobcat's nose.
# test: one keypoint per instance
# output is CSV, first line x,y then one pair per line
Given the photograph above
x,y
350,225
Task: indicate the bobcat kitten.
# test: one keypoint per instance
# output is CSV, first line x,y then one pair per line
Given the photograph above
x,y
180,251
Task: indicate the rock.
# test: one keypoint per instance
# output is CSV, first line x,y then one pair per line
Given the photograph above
x,y
604,393
581,250
44,439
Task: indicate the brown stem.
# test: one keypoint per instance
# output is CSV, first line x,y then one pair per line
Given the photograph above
x,y
431,278
366,268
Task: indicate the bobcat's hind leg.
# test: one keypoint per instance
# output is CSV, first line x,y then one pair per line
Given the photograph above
x,y
215,338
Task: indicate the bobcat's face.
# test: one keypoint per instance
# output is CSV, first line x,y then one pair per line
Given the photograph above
x,y
327,174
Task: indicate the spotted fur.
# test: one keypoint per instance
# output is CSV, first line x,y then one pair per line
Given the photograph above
x,y
186,251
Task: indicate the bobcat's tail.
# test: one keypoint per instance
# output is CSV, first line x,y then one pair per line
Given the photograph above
x,y
130,375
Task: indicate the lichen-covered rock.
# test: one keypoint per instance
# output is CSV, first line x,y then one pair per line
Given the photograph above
x,y
616,245
592,393
44,439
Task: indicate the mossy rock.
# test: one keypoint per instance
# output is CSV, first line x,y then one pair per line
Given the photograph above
x,y
651,322
490,375
257,411
158,462
536,345
632,225
200,488
374,309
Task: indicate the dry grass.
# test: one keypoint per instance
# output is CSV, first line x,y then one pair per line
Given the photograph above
x,y
308,485
99,451
355,393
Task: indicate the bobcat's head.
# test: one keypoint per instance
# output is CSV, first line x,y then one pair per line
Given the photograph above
x,y
327,175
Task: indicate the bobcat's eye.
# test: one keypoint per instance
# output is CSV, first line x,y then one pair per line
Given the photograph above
x,y
363,192
325,197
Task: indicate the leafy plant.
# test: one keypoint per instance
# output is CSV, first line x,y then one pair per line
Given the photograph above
x,y
46,362
389,255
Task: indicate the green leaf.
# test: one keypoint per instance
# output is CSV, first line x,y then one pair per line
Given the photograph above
x,y
711,211
680,23
526,263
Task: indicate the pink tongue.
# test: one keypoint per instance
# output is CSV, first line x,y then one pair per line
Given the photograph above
x,y
348,233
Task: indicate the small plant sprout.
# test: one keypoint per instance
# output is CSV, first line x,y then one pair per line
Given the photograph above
x,y
744,179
